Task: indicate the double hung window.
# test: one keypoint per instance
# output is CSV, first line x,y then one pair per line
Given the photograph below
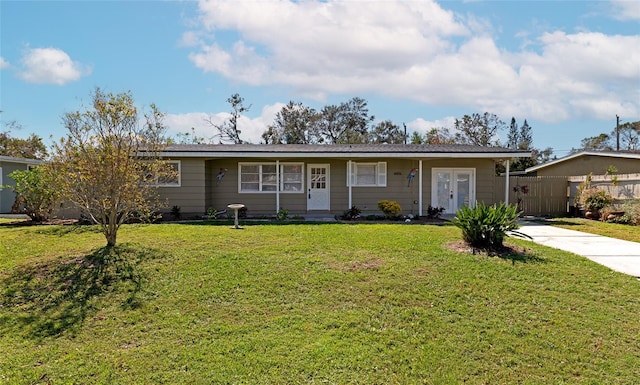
x,y
373,174
263,177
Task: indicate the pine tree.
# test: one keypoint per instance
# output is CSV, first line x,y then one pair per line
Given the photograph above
x,y
513,138
525,141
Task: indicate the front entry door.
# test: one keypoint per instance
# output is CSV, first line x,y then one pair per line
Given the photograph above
x,y
318,187
452,188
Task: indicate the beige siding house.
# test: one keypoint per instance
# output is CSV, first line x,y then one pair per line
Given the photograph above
x,y
329,179
589,162
8,165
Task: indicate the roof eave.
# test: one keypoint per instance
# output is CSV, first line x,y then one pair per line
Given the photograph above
x,y
583,153
13,159
396,155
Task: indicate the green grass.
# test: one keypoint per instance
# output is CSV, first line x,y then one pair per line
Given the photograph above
x,y
305,304
614,230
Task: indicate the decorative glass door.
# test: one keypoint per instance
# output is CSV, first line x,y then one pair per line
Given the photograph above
x,y
452,188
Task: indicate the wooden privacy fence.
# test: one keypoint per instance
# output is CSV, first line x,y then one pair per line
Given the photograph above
x,y
555,195
536,195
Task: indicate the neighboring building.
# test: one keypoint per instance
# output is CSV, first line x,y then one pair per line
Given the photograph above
x,y
586,162
307,179
9,164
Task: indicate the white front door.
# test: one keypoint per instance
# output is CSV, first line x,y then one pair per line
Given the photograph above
x,y
318,187
453,188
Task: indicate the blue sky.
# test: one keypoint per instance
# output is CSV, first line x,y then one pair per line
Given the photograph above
x,y
568,67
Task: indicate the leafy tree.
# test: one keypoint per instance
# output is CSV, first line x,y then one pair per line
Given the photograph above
x,y
293,124
479,130
433,136
31,148
328,124
346,123
108,164
228,131
36,194
416,138
355,120
601,142
629,136
542,156
439,136
629,139
387,132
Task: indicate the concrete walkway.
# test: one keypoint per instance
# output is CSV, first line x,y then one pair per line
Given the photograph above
x,y
616,254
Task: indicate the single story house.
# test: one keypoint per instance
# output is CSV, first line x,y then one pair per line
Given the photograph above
x,y
329,179
586,162
9,164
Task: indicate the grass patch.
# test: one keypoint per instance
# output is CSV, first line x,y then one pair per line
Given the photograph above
x,y
613,230
306,304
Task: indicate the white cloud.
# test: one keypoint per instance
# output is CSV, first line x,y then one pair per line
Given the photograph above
x,y
423,126
625,9
50,66
3,63
251,128
417,51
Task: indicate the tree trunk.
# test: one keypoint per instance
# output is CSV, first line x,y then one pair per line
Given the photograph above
x,y
111,238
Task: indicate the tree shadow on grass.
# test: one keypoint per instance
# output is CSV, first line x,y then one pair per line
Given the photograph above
x,y
50,298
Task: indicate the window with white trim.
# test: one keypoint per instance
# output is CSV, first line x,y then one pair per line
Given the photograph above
x,y
263,178
373,174
170,179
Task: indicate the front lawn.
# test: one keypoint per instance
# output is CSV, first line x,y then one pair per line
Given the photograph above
x,y
305,304
614,230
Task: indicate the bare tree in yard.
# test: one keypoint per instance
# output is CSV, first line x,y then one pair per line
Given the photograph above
x,y
228,131
108,164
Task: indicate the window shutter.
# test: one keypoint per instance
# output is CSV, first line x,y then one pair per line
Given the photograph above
x,y
382,174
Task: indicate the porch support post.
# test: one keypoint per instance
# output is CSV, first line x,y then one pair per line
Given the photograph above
x,y
420,187
349,182
506,183
277,186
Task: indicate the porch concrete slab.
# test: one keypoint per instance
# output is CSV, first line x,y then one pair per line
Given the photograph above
x,y
616,254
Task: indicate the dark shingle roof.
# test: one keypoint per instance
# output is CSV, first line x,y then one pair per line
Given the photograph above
x,y
342,149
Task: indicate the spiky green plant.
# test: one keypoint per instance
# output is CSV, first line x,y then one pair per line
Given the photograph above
x,y
486,226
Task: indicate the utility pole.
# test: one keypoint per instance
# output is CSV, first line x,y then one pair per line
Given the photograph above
x,y
617,133
405,132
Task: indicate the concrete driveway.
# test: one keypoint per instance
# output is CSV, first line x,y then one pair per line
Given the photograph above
x,y
616,254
